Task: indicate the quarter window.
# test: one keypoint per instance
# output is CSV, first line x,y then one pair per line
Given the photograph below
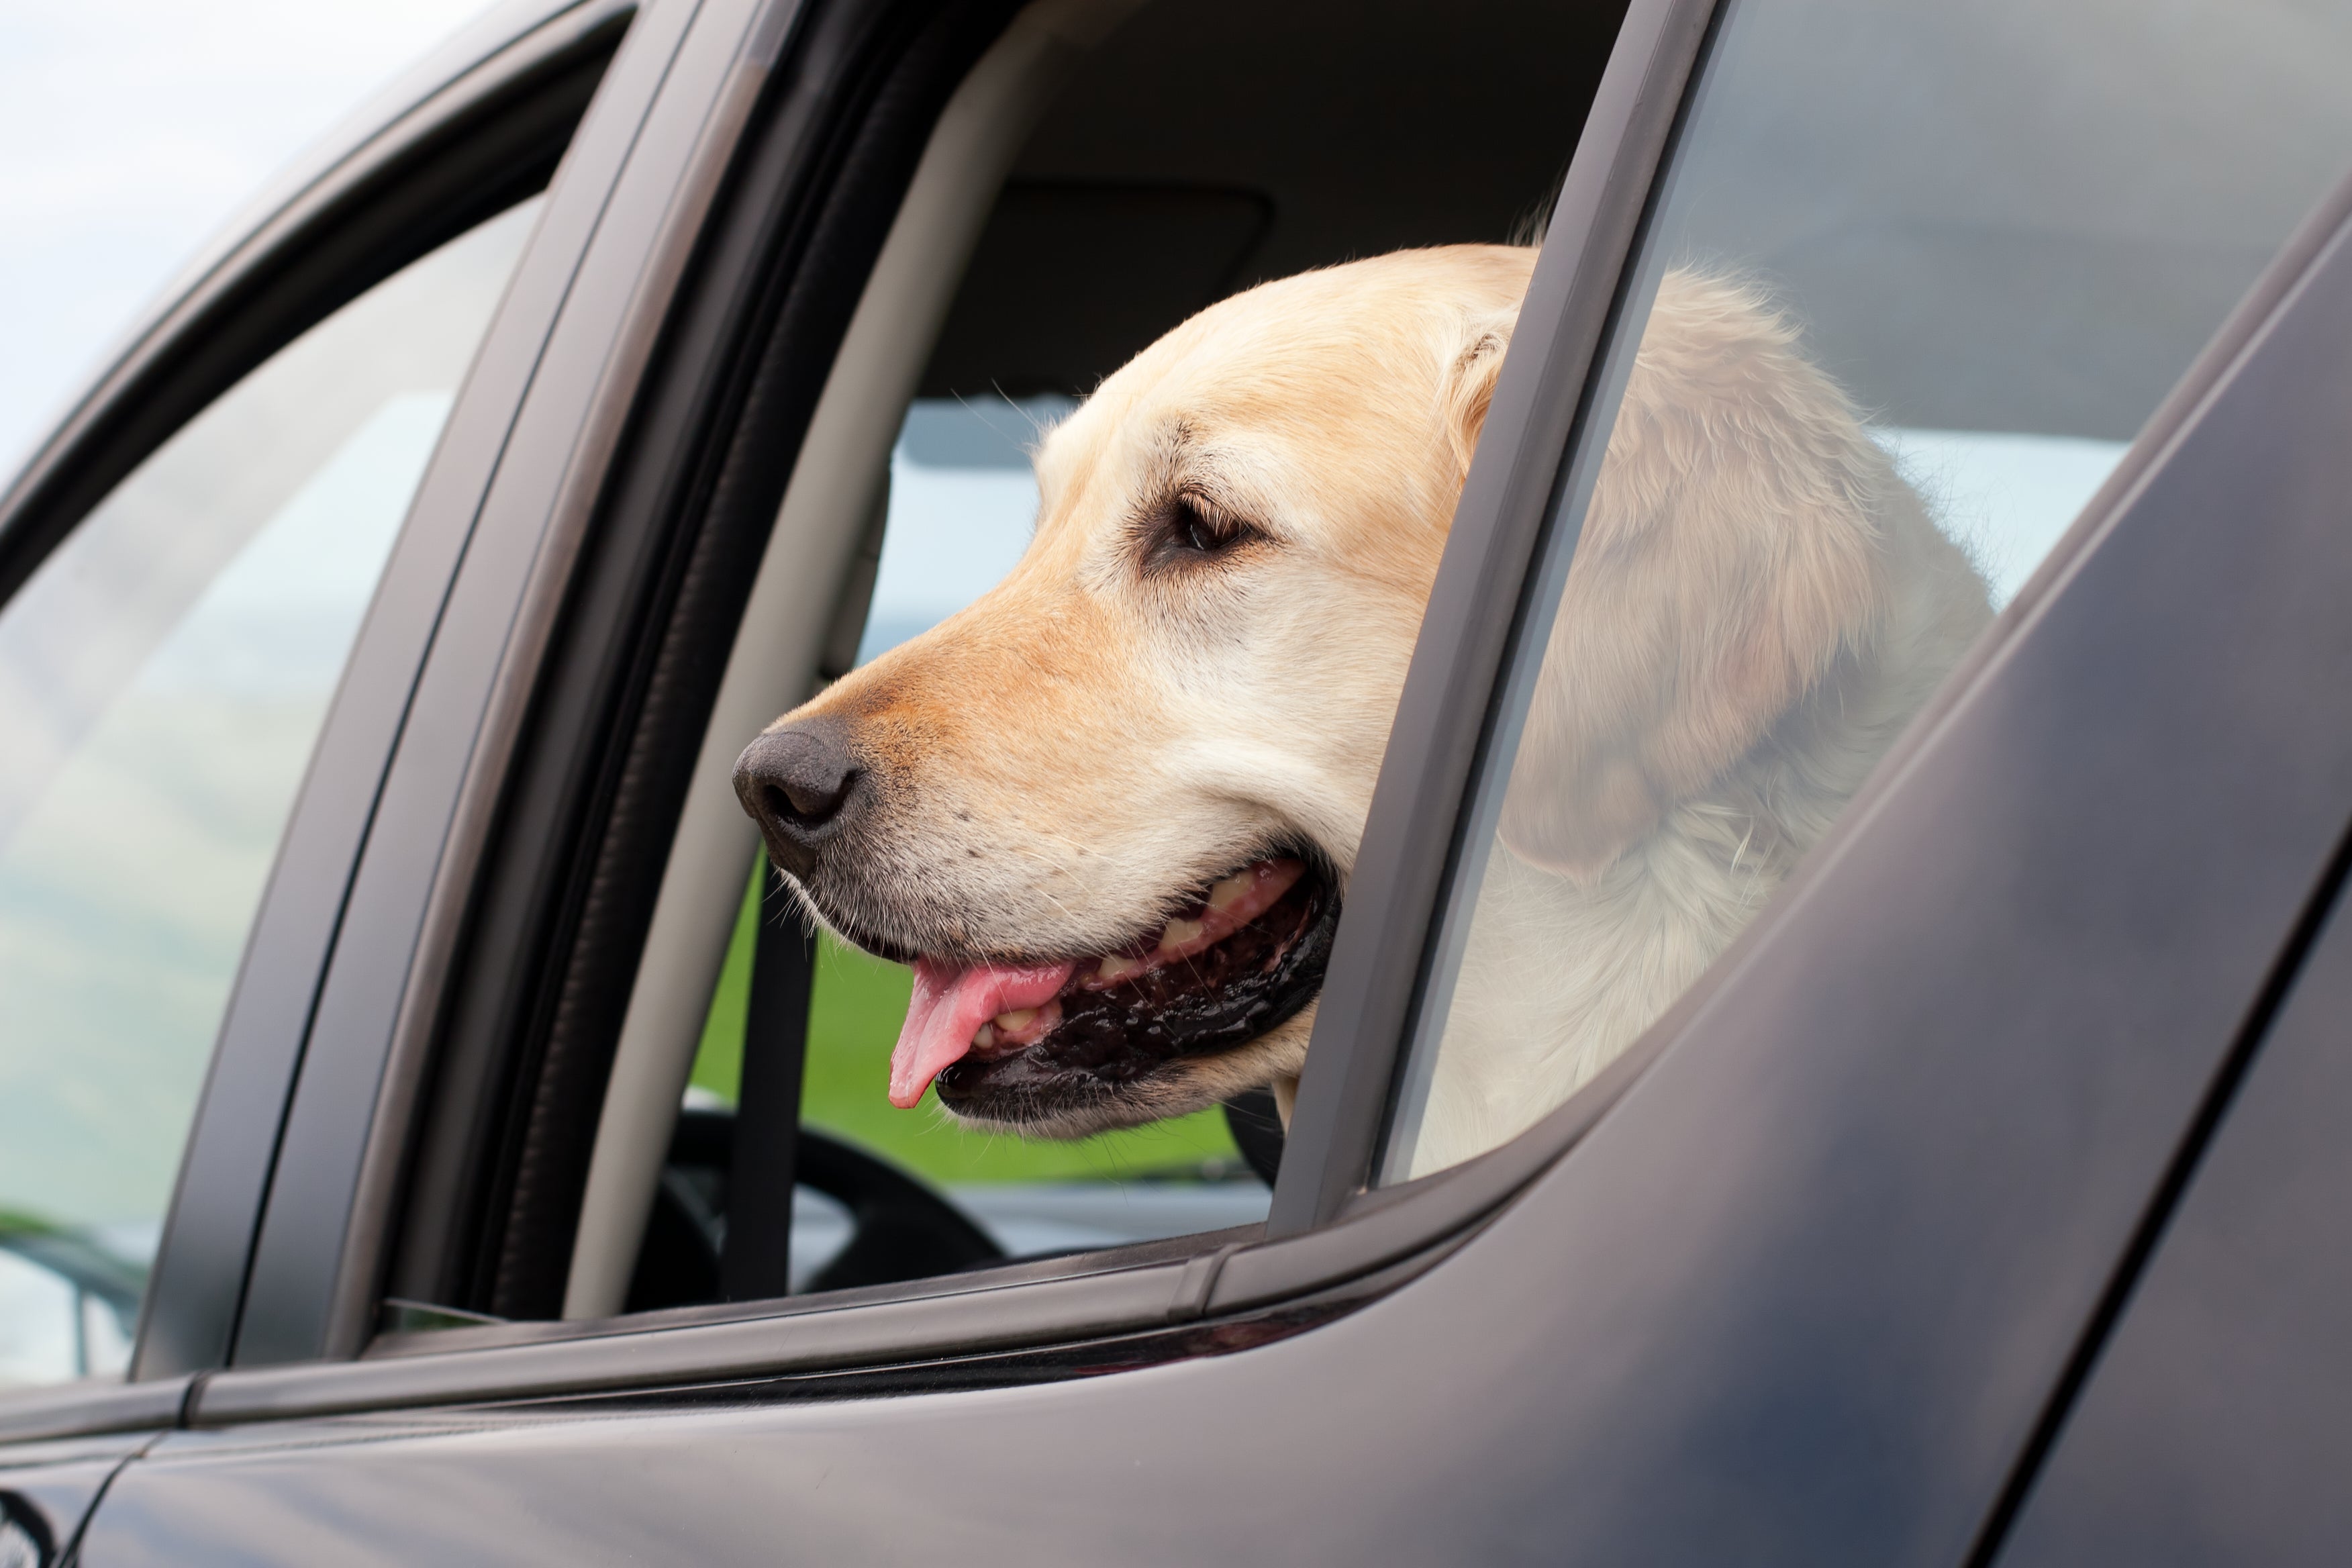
x,y
1920,274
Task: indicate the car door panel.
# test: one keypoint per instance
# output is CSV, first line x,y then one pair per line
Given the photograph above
x,y
2214,1421
46,1490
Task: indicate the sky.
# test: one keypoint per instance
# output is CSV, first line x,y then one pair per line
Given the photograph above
x,y
131,131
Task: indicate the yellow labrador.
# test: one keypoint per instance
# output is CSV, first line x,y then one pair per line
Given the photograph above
x,y
1109,812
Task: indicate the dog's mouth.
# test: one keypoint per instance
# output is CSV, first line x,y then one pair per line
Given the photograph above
x,y
1016,1043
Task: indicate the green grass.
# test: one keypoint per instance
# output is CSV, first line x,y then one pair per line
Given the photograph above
x,y
857,1005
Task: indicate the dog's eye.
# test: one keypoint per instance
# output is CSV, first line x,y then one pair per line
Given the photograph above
x,y
1192,528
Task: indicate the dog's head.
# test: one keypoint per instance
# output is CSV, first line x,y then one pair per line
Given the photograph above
x,y
1125,786
1107,811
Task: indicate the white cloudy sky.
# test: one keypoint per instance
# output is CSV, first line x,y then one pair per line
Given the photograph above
x,y
130,130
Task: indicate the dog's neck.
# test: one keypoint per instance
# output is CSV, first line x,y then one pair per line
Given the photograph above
x,y
1561,974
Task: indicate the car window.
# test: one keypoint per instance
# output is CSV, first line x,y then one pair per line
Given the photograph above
x,y
1920,274
1186,159
163,674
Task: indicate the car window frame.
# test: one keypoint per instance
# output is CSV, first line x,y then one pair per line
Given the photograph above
x,y
212,1237
1327,1266
708,445
1124,1290
1520,479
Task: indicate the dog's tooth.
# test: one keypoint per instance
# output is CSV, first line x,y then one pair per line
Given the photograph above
x,y
1015,1021
1114,968
1177,933
1225,894
985,1037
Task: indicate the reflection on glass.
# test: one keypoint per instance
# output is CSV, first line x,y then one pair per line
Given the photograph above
x,y
962,507
162,677
1921,273
67,1307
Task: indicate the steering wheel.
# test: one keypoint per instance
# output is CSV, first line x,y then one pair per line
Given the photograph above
x,y
902,1229
1256,1125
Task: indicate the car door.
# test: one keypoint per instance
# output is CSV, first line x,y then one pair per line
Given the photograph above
x,y
1811,1267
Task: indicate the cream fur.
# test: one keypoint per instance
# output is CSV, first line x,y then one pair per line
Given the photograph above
x,y
1758,606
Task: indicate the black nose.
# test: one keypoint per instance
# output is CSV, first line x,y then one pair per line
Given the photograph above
x,y
798,783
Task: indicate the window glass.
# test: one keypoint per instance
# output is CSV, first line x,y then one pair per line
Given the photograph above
x,y
962,504
1921,272
163,674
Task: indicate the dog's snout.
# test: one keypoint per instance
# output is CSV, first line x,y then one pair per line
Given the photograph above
x,y
798,782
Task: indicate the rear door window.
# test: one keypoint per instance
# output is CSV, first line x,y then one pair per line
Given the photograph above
x,y
163,676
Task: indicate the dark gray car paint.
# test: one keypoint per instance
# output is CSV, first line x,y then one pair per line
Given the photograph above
x,y
1802,1294
2215,1428
46,1489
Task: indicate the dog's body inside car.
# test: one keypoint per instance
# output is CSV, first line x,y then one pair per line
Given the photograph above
x,y
1109,811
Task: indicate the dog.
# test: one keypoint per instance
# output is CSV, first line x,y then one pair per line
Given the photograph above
x,y
1109,811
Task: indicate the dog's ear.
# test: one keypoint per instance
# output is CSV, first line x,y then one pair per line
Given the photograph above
x,y
1469,386
1729,556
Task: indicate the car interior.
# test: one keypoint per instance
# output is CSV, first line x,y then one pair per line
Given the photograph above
x,y
1102,172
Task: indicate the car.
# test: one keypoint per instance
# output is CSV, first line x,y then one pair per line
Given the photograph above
x,y
428,1132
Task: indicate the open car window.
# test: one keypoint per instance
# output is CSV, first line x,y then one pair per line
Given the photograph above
x,y
1919,275
1174,158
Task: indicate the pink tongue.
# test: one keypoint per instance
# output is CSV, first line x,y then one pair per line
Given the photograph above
x,y
950,1004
